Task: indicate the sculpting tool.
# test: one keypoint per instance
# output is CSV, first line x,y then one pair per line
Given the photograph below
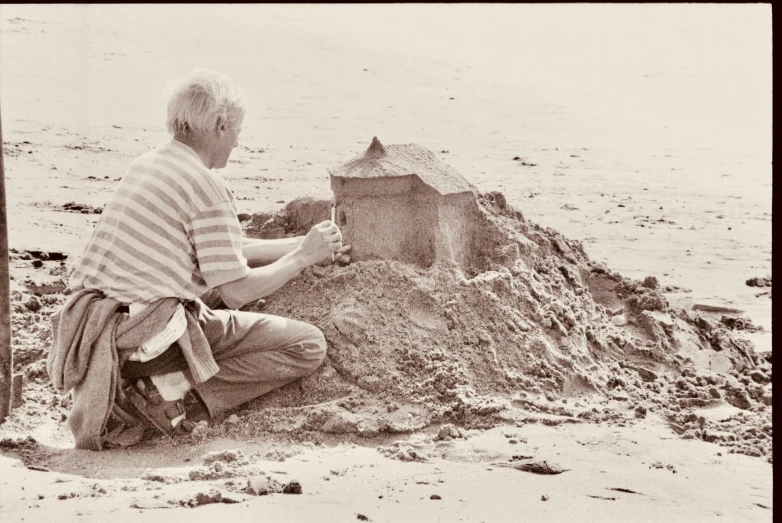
x,y
332,221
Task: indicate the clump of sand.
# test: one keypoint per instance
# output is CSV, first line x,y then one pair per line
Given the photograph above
x,y
535,332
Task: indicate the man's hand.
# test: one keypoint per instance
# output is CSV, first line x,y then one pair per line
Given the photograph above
x,y
322,240
342,256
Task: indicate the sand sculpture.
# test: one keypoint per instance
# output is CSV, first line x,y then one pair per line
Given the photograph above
x,y
457,309
400,202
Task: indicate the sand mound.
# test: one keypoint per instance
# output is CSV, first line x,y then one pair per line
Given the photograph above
x,y
536,330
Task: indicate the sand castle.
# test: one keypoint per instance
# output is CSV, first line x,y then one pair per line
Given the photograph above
x,y
400,202
457,309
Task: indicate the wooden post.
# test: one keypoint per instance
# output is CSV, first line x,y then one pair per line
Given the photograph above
x,y
6,356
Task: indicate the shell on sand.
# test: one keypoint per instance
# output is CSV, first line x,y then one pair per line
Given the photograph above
x,y
536,466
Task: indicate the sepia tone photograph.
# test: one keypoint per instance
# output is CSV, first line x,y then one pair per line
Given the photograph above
x,y
386,262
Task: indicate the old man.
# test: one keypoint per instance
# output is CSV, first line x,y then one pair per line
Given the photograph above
x,y
146,323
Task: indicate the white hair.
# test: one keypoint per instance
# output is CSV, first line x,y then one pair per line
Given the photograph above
x,y
200,99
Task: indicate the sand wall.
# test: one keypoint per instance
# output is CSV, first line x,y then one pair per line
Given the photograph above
x,y
393,227
410,222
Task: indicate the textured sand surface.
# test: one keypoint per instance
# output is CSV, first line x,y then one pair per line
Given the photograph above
x,y
642,132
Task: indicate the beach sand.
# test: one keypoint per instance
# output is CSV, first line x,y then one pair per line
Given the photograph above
x,y
642,131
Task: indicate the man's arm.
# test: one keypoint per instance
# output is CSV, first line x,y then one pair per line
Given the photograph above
x,y
322,240
263,252
262,281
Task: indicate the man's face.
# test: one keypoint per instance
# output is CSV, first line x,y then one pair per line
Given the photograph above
x,y
227,137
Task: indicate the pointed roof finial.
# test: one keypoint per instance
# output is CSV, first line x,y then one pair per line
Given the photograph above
x,y
376,149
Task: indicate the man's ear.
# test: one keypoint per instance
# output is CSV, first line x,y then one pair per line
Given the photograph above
x,y
222,124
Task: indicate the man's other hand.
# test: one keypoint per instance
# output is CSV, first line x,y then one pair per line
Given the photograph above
x,y
320,242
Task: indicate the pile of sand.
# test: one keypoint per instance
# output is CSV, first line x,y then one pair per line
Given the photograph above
x,y
540,333
534,332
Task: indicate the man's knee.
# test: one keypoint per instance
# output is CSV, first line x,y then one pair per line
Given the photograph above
x,y
312,349
319,347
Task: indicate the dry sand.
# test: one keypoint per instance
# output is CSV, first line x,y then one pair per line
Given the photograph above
x,y
650,182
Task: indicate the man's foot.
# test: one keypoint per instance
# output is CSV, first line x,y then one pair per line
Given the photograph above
x,y
145,397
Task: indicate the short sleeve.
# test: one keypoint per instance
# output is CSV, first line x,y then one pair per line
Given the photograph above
x,y
217,238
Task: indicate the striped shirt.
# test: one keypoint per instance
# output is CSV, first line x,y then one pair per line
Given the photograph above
x,y
168,230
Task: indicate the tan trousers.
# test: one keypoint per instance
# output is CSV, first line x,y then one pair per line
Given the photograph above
x,y
256,353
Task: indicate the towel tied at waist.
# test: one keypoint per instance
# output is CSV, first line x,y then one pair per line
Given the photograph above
x,y
158,343
92,339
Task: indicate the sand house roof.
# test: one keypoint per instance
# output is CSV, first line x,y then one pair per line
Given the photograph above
x,y
393,161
